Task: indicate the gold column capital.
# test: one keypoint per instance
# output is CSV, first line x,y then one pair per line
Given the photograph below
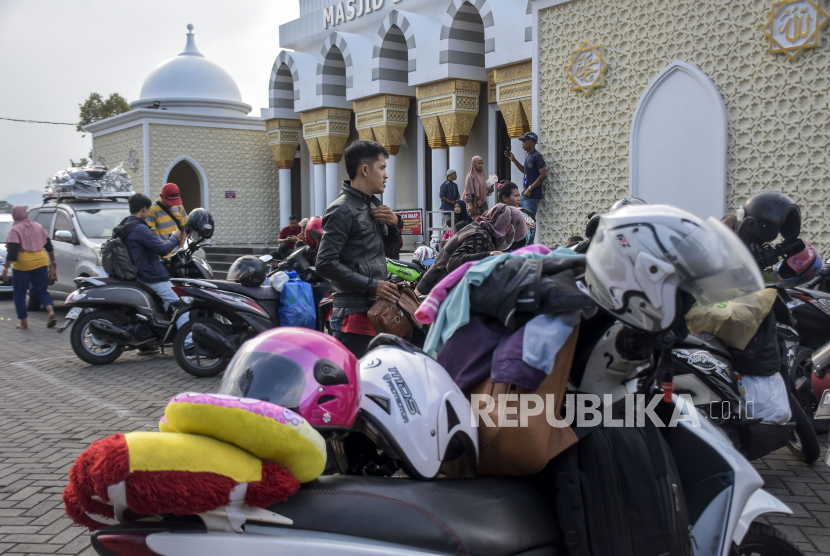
x,y
514,118
328,129
283,140
382,118
453,104
435,135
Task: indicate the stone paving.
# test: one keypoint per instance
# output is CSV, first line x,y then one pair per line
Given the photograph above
x,y
52,406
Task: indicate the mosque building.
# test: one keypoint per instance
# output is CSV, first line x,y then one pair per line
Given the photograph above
x,y
190,127
697,104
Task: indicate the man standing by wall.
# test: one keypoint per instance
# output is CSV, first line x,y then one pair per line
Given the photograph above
x,y
535,172
167,214
359,232
449,195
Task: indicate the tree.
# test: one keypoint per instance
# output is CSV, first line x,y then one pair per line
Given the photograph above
x,y
96,108
5,207
81,163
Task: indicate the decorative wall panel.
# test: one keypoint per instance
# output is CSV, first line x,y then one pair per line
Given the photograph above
x,y
115,148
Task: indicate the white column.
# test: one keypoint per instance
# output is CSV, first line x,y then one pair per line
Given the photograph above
x,y
389,195
459,164
319,189
492,144
285,196
312,207
439,176
516,175
332,182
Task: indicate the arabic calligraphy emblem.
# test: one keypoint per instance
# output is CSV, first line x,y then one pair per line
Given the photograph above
x,y
794,26
587,67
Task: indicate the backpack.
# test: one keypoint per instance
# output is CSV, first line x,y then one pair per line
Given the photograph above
x,y
115,258
617,492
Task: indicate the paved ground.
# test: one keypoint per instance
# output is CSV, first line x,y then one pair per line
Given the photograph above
x,y
52,406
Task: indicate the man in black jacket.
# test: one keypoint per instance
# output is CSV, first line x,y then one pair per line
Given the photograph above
x,y
358,234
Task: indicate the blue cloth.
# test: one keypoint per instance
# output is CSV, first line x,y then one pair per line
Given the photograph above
x,y
142,243
544,336
39,278
454,311
533,163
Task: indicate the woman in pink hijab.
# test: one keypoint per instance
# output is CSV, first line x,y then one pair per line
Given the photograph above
x,y
27,247
475,188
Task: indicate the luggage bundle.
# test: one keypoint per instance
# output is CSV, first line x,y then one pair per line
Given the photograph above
x,y
92,181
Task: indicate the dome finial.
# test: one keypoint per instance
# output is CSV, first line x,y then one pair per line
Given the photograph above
x,y
190,48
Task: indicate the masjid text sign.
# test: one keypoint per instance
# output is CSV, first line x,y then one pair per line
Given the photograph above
x,y
587,67
794,26
350,9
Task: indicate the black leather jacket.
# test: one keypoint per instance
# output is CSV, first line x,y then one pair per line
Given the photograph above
x,y
353,251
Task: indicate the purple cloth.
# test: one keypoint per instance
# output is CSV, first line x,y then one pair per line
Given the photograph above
x,y
535,248
468,356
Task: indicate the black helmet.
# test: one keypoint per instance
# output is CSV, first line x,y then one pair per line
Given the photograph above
x,y
766,215
201,222
248,271
627,200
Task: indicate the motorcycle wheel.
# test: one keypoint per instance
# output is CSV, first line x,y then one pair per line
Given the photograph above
x,y
803,443
765,540
194,359
88,347
803,367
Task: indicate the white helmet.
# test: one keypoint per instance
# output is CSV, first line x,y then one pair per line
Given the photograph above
x,y
641,255
423,254
413,411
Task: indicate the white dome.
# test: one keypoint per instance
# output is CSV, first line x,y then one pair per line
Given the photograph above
x,y
192,83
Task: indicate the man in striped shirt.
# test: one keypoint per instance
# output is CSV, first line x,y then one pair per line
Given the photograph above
x,y
167,214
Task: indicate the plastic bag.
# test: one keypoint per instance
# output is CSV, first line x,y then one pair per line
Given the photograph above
x,y
278,280
767,398
734,322
297,306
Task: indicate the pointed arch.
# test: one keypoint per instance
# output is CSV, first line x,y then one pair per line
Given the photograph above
x,y
200,172
334,74
282,87
393,56
678,142
467,34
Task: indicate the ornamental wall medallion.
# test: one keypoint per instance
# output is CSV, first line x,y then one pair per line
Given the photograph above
x,y
587,67
794,26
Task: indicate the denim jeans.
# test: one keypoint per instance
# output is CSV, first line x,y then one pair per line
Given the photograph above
x,y
39,278
165,291
532,205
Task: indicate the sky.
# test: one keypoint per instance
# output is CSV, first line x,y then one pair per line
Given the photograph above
x,y
54,53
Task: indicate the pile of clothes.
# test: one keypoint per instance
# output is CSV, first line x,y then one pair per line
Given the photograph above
x,y
505,317
90,181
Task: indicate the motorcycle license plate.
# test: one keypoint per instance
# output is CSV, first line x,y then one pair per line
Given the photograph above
x,y
74,313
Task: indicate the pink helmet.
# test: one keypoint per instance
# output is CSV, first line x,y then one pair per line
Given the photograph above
x,y
301,369
800,267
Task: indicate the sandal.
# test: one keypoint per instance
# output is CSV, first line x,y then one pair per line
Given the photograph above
x,y
21,327
53,320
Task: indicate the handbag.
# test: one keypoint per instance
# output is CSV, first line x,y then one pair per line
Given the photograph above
x,y
396,318
518,450
53,277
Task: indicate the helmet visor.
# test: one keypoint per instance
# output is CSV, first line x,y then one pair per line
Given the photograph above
x,y
714,262
264,376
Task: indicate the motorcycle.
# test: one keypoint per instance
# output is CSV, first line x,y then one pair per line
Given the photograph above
x,y
372,515
111,316
702,367
223,315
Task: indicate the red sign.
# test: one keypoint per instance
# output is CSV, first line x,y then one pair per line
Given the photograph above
x,y
230,194
412,222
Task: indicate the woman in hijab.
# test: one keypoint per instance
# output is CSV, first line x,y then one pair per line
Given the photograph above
x,y
27,247
475,188
498,229
460,208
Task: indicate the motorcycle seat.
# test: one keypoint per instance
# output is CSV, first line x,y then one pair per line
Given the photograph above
x,y
708,341
413,266
493,516
260,293
110,281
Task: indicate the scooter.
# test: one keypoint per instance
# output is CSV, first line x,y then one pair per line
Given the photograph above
x,y
223,315
501,516
111,315
701,366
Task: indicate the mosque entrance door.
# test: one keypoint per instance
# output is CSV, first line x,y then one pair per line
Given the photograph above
x,y
190,186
